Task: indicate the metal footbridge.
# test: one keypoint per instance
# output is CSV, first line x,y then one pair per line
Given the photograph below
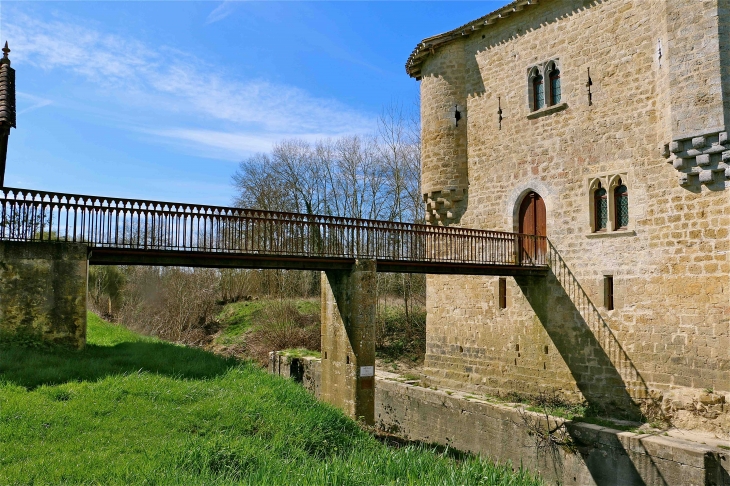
x,y
120,231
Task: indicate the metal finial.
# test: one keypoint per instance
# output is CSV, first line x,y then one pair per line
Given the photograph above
x,y
6,50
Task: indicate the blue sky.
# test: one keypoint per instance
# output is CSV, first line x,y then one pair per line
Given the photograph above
x,y
161,100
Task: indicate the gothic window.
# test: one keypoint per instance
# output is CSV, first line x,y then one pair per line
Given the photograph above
x,y
600,204
544,85
538,90
621,205
608,202
554,86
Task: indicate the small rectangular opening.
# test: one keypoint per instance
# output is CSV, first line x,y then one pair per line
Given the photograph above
x,y
502,293
608,292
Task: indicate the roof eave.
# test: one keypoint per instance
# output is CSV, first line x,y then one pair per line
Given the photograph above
x,y
428,45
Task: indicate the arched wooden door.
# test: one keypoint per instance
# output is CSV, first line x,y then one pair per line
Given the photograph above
x,y
532,222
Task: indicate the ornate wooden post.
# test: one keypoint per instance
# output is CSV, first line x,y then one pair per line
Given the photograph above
x,y
7,108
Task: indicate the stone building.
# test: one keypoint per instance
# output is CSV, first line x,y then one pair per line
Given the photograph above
x,y
604,125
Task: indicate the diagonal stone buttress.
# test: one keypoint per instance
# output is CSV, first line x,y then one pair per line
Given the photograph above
x,y
348,339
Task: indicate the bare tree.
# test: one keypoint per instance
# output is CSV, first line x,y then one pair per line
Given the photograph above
x,y
372,177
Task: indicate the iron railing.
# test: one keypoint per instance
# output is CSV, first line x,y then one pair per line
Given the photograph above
x,y
139,225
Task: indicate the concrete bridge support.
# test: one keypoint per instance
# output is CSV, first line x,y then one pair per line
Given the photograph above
x,y
43,292
348,339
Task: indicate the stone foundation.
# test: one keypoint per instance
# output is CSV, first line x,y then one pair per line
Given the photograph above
x,y
596,456
43,292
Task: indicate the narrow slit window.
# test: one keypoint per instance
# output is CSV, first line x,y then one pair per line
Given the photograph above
x,y
555,92
502,293
600,201
538,90
608,292
621,201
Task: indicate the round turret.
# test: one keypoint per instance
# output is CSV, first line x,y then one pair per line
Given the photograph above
x,y
443,135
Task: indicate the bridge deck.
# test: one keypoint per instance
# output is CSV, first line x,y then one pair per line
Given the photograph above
x,y
137,232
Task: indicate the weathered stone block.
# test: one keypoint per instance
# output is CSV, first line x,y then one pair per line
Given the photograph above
x,y
43,292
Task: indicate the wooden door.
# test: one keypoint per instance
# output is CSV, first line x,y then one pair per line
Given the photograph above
x,y
533,222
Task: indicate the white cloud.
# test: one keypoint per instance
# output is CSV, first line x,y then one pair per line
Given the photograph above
x,y
224,145
220,12
35,102
166,80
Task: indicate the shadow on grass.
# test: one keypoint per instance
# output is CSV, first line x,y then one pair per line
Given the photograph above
x,y
393,441
31,367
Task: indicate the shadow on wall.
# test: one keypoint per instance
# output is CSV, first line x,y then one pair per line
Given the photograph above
x,y
603,371
724,39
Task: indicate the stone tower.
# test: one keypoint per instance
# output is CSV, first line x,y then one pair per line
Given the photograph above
x,y
444,117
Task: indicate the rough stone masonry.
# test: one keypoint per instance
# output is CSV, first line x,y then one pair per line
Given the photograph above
x,y
582,104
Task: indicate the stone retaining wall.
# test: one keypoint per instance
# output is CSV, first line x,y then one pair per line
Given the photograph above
x,y
598,456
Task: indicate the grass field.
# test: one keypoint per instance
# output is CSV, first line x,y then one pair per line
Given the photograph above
x,y
134,410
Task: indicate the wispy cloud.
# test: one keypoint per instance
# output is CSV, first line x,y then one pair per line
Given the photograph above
x,y
166,80
220,12
222,144
35,102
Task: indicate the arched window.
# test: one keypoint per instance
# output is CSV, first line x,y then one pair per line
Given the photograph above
x,y
538,92
621,205
554,86
600,204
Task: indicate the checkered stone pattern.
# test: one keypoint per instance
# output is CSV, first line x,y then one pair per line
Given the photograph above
x,y
702,159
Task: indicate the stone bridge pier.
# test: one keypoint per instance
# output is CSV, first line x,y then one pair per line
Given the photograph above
x,y
349,300
43,292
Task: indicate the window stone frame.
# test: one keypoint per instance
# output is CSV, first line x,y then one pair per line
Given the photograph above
x,y
609,181
544,69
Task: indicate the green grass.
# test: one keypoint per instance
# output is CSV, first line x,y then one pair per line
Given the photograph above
x,y
236,319
301,353
308,306
239,317
134,410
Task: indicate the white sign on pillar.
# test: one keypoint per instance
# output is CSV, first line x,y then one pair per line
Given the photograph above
x,y
366,371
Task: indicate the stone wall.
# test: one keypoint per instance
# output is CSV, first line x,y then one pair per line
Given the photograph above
x,y
598,455
602,456
306,370
656,69
43,292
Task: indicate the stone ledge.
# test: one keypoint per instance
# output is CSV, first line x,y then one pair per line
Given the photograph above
x,y
548,110
604,455
609,234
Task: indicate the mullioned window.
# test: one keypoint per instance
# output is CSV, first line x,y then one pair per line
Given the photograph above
x,y
544,85
608,199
